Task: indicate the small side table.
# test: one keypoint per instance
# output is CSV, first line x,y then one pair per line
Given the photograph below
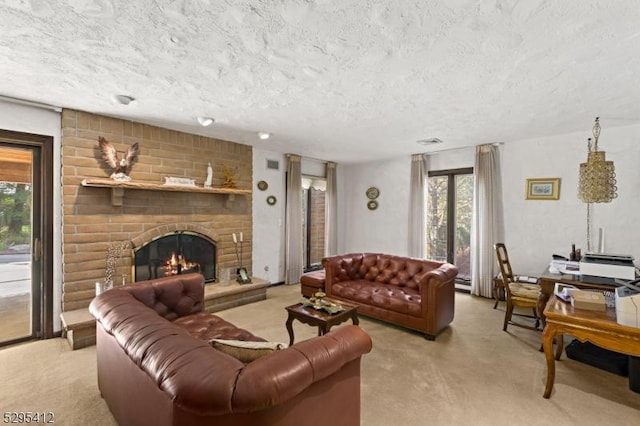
x,y
319,318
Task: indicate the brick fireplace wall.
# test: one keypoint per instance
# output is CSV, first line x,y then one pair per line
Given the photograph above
x,y
91,223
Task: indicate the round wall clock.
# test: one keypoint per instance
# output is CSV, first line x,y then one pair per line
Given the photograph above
x,y
372,205
271,200
262,185
373,193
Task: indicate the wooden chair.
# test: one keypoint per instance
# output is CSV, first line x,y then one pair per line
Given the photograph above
x,y
523,295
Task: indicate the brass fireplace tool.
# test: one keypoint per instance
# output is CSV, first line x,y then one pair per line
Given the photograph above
x,y
241,272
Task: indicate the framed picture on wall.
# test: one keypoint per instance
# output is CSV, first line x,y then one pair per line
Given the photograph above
x,y
543,189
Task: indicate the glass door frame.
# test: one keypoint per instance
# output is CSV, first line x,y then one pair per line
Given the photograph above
x,y
42,230
451,211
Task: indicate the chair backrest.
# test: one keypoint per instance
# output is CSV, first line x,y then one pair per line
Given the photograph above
x,y
505,266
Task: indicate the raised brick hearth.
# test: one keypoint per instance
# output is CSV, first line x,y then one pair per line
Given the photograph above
x,y
91,222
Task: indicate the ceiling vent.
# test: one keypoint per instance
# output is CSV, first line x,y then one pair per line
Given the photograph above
x,y
430,141
273,165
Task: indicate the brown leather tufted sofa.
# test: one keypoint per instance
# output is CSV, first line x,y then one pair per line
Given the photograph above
x,y
413,293
156,367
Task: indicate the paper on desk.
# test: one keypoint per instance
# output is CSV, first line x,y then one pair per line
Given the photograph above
x,y
564,267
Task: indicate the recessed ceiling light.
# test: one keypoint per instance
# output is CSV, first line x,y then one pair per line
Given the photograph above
x,y
123,99
264,135
430,141
205,121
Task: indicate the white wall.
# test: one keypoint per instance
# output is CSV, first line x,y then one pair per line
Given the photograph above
x,y
534,230
268,221
384,229
27,119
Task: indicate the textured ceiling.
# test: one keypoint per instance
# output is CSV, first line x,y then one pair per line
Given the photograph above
x,y
345,80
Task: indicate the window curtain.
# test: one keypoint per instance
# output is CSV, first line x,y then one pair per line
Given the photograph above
x,y
416,205
293,217
331,212
487,219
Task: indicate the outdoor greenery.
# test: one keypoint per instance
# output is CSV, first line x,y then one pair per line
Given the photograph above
x,y
436,229
15,214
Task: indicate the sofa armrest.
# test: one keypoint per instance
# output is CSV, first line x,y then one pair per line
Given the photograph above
x,y
282,375
444,274
437,290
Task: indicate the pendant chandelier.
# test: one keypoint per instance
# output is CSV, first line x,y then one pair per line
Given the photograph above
x,y
597,182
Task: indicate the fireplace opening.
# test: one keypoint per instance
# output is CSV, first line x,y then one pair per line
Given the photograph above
x,y
177,253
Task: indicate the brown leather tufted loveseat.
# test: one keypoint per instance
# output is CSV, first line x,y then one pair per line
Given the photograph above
x,y
156,367
413,293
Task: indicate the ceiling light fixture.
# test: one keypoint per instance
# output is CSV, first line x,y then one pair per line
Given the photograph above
x,y
205,121
430,141
123,99
264,135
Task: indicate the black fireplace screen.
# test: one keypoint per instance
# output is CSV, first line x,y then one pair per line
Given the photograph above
x,y
173,254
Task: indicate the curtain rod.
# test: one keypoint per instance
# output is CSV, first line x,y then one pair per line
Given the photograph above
x,y
302,157
461,147
30,103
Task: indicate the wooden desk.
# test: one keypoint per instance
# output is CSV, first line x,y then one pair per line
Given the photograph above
x,y
548,281
599,328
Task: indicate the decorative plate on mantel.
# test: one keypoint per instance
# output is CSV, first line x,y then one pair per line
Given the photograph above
x,y
373,193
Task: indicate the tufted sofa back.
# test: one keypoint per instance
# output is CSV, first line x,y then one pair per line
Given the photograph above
x,y
382,268
171,298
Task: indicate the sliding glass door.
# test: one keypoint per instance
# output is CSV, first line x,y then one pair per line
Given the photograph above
x,y
449,214
25,291
313,214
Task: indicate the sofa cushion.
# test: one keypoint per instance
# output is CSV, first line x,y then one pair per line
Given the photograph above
x,y
404,300
206,326
246,351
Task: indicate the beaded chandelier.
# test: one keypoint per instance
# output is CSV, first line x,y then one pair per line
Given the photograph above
x,y
597,176
597,183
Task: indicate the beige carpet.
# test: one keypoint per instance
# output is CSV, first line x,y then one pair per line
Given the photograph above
x,y
473,374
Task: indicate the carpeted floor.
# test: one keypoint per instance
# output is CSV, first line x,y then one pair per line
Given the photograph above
x,y
473,374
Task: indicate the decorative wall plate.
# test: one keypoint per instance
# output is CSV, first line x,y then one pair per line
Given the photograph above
x,y
271,200
372,205
373,193
262,185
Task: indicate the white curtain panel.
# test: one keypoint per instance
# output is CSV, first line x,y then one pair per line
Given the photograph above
x,y
487,219
293,217
416,206
331,212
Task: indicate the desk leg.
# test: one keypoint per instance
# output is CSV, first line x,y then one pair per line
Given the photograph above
x,y
547,343
559,346
543,298
290,328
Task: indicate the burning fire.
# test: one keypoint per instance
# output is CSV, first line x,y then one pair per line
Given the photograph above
x,y
177,264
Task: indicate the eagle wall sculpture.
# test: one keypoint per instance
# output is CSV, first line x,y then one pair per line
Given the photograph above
x,y
121,166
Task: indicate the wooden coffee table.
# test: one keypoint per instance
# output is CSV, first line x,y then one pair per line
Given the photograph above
x,y
319,318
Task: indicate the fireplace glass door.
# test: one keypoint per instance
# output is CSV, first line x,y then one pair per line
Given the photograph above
x,y
174,254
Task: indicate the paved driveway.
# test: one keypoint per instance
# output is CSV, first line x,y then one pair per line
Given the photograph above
x,y
15,274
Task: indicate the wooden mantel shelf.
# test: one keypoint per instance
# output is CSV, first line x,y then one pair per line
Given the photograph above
x,y
118,187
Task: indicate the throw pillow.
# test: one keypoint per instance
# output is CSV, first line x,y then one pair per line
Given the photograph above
x,y
246,351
